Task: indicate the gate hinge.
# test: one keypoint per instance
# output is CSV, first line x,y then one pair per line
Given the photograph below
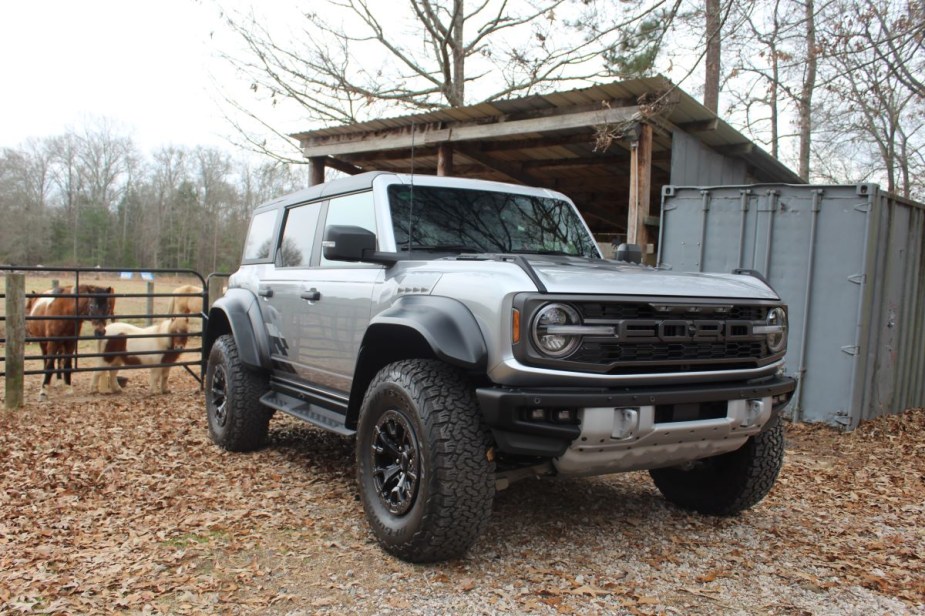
x,y
851,349
841,418
864,208
858,278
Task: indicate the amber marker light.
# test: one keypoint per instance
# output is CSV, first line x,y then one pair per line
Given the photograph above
x,y
515,325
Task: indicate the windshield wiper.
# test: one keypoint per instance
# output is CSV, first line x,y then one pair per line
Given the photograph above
x,y
558,253
441,248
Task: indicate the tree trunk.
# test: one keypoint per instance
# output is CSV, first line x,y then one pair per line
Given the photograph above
x,y
806,95
711,84
459,55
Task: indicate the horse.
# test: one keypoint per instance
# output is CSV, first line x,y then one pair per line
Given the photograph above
x,y
56,317
162,347
184,303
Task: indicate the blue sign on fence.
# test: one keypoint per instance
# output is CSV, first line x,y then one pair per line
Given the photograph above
x,y
147,276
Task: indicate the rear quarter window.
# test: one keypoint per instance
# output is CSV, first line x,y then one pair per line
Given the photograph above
x,y
259,247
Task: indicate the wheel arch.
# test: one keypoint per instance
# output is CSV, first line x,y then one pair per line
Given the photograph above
x,y
238,314
417,327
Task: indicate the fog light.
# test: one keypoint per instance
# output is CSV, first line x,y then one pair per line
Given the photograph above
x,y
537,414
565,415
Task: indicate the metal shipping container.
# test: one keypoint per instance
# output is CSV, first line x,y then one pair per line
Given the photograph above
x,y
849,262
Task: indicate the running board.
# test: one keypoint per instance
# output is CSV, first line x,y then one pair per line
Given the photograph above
x,y
312,413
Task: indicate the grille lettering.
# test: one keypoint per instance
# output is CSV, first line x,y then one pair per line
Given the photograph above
x,y
683,330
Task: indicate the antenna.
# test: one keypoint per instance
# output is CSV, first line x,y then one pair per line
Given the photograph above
x,y
411,195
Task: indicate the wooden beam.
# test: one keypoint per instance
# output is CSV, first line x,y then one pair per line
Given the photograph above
x,y
430,136
640,189
512,171
389,155
316,170
445,159
540,142
583,161
342,165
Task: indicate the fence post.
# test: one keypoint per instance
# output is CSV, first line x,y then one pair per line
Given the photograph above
x,y
15,338
150,304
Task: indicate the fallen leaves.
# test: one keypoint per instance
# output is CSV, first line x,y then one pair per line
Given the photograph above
x,y
124,504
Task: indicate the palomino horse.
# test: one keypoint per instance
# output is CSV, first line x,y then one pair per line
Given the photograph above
x,y
56,320
183,303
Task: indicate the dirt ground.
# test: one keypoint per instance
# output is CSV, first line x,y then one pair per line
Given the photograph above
x,y
122,504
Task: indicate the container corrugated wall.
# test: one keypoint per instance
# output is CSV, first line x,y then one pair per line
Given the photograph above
x,y
848,260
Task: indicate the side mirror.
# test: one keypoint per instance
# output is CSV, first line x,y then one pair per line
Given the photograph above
x,y
629,253
350,243
347,243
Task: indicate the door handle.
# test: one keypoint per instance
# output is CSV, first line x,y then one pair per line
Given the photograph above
x,y
265,292
312,295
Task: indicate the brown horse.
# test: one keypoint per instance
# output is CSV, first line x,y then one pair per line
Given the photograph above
x,y
55,318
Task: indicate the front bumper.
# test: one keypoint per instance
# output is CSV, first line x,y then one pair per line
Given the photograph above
x,y
703,413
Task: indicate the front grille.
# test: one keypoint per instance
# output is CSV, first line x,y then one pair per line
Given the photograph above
x,y
662,337
612,352
604,311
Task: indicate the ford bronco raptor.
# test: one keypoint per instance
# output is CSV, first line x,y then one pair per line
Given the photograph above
x,y
469,333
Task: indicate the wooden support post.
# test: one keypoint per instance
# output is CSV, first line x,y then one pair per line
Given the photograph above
x,y
15,339
150,303
215,290
316,170
640,189
445,159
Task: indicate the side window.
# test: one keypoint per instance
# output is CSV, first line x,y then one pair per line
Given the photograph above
x,y
259,244
295,250
356,210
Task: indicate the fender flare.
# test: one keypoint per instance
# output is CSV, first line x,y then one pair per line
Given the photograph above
x,y
446,324
238,313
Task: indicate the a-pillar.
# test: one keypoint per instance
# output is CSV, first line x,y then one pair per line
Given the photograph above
x,y
315,170
640,188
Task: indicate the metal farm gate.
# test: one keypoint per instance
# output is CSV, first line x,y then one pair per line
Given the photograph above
x,y
142,297
850,263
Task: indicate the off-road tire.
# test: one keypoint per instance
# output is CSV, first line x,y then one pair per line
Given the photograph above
x,y
237,419
729,483
431,408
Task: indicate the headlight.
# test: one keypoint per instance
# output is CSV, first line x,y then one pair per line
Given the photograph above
x,y
776,329
552,330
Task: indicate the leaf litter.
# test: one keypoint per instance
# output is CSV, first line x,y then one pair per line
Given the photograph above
x,y
122,504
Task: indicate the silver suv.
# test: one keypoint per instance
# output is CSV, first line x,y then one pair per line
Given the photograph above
x,y
469,333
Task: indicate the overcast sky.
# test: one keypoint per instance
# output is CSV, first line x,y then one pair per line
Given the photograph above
x,y
147,64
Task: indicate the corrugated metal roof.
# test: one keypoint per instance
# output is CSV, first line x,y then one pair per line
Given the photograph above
x,y
682,110
552,140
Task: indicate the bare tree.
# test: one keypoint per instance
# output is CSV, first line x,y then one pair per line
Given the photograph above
x,y
774,72
24,191
354,60
872,108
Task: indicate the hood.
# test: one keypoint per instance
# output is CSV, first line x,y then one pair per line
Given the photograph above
x,y
580,276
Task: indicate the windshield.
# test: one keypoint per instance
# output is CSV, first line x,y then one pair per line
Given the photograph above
x,y
465,220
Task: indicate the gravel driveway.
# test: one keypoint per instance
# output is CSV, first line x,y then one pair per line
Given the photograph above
x,y
121,503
